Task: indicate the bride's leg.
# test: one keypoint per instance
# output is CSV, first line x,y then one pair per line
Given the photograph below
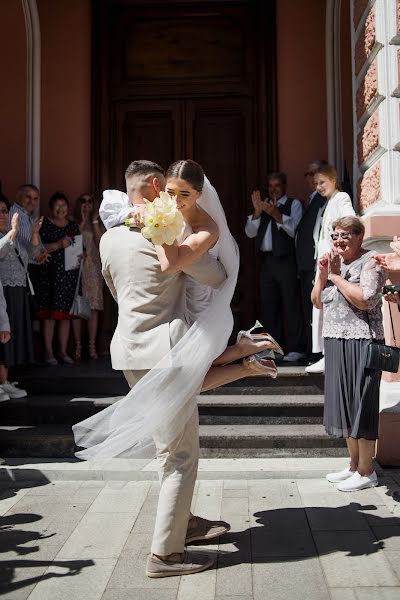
x,y
217,376
252,366
244,348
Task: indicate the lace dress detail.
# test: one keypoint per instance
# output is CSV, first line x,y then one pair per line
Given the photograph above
x,y
12,273
341,318
92,279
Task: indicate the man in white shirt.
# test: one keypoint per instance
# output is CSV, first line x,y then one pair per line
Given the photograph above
x,y
273,223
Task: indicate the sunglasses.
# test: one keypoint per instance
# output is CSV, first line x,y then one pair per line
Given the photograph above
x,y
309,173
344,235
3,211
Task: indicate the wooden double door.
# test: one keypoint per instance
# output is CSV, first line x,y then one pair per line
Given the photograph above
x,y
190,80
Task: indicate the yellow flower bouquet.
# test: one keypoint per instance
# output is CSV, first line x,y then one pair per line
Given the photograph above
x,y
163,222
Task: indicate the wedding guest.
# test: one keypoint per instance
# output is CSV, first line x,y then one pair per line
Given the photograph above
x,y
4,334
305,246
25,205
14,258
57,286
273,224
348,288
338,205
87,217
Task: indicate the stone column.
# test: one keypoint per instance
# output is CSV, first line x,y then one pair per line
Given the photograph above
x,y
376,93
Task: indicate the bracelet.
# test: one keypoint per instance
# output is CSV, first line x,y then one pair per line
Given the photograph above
x,y
95,222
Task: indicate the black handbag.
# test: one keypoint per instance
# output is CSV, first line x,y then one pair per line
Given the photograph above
x,y
381,357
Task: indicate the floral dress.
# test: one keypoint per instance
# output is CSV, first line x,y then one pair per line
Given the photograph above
x,y
55,287
92,279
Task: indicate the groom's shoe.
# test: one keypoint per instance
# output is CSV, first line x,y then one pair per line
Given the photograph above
x,y
200,529
188,563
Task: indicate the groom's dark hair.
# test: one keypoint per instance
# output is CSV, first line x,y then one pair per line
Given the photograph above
x,y
143,168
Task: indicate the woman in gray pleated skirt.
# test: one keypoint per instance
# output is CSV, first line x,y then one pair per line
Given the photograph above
x,y
348,289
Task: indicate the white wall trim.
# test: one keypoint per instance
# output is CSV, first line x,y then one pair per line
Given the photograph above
x,y
334,84
33,84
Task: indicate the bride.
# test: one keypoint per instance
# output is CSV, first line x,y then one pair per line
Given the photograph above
x,y
200,360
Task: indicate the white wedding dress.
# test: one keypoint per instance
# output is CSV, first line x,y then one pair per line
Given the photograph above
x,y
162,402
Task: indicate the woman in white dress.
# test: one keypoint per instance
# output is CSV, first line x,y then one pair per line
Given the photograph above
x,y
339,205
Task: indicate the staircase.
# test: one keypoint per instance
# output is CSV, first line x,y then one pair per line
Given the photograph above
x,y
254,417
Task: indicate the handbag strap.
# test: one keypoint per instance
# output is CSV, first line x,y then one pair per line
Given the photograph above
x,y
79,278
28,279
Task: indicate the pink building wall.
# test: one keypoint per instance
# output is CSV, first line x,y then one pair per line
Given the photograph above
x,y
301,85
13,96
66,97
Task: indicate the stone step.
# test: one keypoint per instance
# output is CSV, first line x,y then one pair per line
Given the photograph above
x,y
56,441
214,409
96,378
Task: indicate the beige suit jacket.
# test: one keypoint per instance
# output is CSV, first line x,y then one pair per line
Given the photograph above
x,y
152,313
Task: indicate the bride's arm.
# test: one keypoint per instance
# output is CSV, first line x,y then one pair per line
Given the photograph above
x,y
178,256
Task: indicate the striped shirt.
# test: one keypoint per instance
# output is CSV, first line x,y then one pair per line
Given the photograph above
x,y
24,234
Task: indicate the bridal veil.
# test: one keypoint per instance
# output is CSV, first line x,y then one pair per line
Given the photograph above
x,y
161,403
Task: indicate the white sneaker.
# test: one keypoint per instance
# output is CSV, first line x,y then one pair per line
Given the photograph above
x,y
318,367
293,356
13,392
340,476
3,395
358,482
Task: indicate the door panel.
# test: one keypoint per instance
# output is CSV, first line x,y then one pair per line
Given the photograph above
x,y
219,137
147,130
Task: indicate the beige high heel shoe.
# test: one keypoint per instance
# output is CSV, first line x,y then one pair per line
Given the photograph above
x,y
259,337
260,366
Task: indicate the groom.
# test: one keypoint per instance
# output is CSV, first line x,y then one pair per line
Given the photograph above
x,y
149,324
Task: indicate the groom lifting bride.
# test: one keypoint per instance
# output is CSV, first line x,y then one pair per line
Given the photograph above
x,y
174,321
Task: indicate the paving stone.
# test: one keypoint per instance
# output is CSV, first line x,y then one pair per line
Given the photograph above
x,y
190,585
74,579
235,484
381,516
10,497
394,559
125,497
273,494
353,559
281,532
234,493
343,594
382,593
289,580
61,488
389,536
130,573
336,519
98,535
138,594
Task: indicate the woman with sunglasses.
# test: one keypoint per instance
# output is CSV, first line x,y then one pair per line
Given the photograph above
x,y
338,205
348,288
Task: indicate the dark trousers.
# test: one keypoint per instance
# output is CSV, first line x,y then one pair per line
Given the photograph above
x,y
280,301
306,286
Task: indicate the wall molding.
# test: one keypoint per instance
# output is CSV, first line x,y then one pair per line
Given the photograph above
x,y
33,84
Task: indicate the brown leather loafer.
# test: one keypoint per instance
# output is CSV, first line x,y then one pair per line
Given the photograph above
x,y
191,562
206,530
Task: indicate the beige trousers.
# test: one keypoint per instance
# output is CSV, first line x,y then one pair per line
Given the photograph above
x,y
177,469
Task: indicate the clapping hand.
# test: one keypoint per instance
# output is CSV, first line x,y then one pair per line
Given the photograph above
x,y
257,203
36,225
323,265
395,245
5,337
334,263
15,223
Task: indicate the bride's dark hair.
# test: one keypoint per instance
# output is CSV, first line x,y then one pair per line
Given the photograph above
x,y
189,170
